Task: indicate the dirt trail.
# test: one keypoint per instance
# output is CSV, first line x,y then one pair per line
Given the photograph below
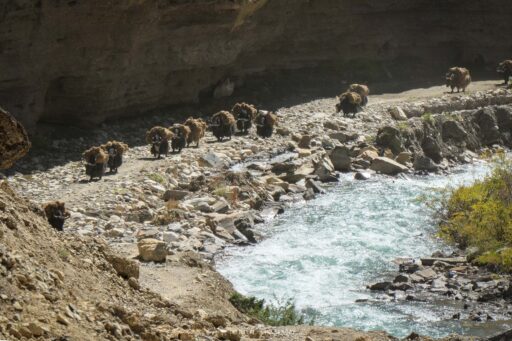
x,y
430,92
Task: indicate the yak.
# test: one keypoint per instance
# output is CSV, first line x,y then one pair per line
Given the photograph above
x,y
265,122
222,125
362,90
96,160
458,77
197,130
158,137
349,103
115,150
56,214
244,115
505,69
180,134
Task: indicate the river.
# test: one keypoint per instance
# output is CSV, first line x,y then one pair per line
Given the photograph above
x,y
323,253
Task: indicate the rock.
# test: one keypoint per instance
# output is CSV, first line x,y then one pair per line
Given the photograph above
x,y
14,143
390,137
152,250
340,158
124,267
283,131
424,163
438,283
174,194
426,273
220,206
388,166
304,152
489,131
315,186
368,154
342,136
398,114
401,279
429,261
403,158
170,237
283,167
324,169
309,194
334,125
432,148
305,141
215,160
381,286
362,176
453,130
35,329
133,283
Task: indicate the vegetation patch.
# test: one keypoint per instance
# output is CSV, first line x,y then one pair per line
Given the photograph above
x,y
479,216
427,118
274,315
157,178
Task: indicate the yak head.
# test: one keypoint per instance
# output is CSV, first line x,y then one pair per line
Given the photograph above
x,y
449,77
156,140
216,121
112,152
177,132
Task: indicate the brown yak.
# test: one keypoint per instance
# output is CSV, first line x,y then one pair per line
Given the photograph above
x,y
458,77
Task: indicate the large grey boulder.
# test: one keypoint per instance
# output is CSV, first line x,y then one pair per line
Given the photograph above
x,y
388,166
340,158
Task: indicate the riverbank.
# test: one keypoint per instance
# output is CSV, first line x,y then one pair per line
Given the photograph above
x,y
194,204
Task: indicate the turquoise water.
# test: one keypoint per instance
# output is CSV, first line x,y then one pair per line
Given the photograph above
x,y
324,253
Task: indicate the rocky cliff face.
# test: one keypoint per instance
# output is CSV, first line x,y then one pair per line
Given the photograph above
x,y
14,142
84,61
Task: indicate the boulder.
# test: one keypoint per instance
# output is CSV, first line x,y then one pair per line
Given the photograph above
x,y
305,141
152,250
403,158
315,186
432,148
453,130
381,286
424,163
388,166
14,143
324,169
342,136
215,160
283,167
340,158
124,267
174,194
362,176
309,194
489,131
398,114
390,137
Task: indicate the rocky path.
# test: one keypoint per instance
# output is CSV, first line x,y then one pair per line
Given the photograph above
x,y
192,202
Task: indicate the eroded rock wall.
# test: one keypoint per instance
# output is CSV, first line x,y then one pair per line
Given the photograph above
x,y
85,61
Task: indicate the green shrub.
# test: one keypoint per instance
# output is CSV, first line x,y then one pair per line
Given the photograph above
x,y
427,117
480,215
157,178
273,315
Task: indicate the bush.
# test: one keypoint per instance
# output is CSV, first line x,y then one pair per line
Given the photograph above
x,y
273,315
480,216
427,117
